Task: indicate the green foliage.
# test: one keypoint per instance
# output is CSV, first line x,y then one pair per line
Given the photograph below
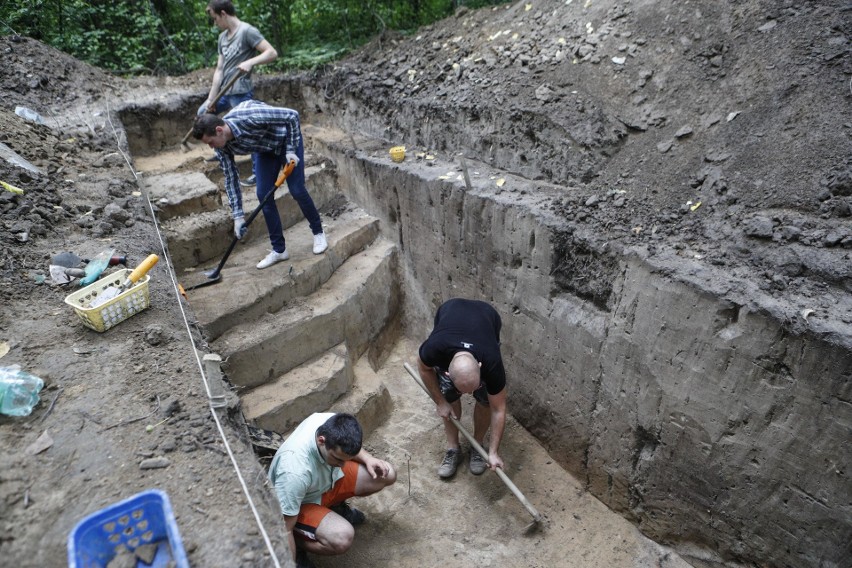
x,y
174,36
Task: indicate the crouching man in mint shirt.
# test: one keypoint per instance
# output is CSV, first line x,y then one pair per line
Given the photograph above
x,y
321,465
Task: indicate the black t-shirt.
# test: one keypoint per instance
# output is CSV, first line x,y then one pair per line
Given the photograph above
x,y
467,325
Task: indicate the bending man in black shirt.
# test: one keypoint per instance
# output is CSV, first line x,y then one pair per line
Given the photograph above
x,y
462,355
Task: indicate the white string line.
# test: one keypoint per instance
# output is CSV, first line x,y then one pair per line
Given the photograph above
x,y
195,353
207,388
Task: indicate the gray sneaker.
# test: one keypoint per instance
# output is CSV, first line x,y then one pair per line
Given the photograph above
x,y
450,464
478,465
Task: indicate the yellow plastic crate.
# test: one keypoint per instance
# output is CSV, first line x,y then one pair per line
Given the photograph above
x,y
114,311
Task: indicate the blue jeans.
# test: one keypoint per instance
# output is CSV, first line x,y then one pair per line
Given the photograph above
x,y
267,167
227,102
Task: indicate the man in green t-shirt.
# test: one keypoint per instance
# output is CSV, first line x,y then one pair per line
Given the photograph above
x,y
314,472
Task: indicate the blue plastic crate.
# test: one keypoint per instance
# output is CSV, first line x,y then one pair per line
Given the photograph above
x,y
142,519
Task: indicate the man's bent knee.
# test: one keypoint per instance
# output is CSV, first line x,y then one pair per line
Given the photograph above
x,y
339,541
390,478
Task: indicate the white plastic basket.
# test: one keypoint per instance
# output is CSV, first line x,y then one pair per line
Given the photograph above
x,y
114,311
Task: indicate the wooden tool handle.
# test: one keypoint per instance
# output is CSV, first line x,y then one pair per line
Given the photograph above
x,y
143,268
221,92
499,471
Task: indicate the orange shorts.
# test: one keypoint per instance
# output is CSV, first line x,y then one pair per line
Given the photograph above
x,y
311,515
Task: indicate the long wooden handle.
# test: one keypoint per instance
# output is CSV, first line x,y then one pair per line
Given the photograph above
x,y
499,471
141,270
221,92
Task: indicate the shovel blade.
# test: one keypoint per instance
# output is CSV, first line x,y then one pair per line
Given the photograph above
x,y
213,276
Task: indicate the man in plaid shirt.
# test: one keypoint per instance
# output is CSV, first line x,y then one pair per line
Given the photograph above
x,y
273,136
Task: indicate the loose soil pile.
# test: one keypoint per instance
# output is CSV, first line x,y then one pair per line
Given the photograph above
x,y
719,130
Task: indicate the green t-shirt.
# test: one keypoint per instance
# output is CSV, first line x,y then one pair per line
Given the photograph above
x,y
298,472
236,49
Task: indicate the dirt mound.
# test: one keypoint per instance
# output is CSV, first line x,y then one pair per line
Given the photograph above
x,y
45,77
719,130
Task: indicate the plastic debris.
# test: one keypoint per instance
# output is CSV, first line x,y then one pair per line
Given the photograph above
x,y
29,114
18,391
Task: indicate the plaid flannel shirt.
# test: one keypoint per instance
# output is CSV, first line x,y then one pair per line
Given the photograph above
x,y
257,128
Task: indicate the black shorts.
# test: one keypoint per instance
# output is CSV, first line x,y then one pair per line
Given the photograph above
x,y
452,394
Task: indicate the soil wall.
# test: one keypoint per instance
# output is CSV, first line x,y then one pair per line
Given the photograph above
x,y
687,403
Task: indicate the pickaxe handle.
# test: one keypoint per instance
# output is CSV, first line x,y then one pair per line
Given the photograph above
x,y
499,471
219,95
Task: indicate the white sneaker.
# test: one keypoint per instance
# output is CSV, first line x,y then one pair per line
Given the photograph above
x,y
272,258
320,243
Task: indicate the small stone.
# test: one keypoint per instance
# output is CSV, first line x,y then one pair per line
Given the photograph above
x,y
146,552
155,335
155,463
759,227
124,559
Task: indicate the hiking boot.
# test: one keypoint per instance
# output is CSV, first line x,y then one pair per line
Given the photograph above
x,y
478,465
320,243
272,258
450,464
351,514
302,560
249,181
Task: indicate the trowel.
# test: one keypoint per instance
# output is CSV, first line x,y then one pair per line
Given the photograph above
x,y
128,283
96,266
71,260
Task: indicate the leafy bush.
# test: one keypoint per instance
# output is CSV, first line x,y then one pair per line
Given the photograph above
x,y
173,36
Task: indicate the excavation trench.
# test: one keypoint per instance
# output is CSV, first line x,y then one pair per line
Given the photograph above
x,y
690,407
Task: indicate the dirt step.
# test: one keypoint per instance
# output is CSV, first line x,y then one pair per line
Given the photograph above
x,y
354,305
179,159
181,194
268,290
368,399
280,405
197,238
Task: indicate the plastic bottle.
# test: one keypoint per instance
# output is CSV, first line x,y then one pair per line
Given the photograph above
x,y
18,391
29,114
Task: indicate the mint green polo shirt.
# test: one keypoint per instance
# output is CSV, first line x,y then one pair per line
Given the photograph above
x,y
298,472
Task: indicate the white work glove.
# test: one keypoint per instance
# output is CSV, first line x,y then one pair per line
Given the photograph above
x,y
290,157
205,107
240,228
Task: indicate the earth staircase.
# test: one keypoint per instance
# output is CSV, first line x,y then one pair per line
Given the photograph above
x,y
324,332
297,337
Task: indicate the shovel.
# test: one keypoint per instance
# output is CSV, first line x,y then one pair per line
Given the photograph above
x,y
128,283
219,95
215,275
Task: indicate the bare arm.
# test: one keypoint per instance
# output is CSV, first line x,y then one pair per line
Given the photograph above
x,y
267,55
290,524
217,82
430,379
497,403
375,467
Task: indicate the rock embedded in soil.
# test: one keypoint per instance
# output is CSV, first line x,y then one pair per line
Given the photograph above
x,y
155,463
